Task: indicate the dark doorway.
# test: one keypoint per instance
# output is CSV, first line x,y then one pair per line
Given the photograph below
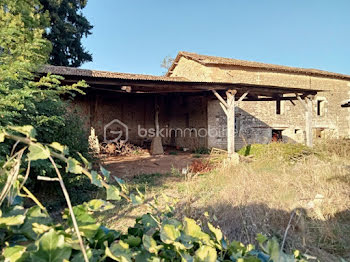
x,y
276,135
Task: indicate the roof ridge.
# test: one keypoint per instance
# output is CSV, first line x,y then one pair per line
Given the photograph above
x,y
217,60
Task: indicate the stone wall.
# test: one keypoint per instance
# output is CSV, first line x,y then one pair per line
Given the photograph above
x,y
179,116
256,120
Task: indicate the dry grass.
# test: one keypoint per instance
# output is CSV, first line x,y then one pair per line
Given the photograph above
x,y
261,196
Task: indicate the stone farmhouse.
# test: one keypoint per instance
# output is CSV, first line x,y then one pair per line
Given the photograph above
x,y
231,102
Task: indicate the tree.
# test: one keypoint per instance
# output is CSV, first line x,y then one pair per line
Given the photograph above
x,y
66,29
167,62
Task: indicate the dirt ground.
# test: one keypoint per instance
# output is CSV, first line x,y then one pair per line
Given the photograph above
x,y
127,167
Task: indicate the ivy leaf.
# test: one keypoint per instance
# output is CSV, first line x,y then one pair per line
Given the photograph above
x,y
51,248
169,233
105,173
113,193
122,184
96,179
38,151
28,130
13,254
217,232
34,215
206,254
261,238
99,205
73,166
2,137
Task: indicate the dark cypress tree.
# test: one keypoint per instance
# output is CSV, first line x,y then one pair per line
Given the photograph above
x,y
67,28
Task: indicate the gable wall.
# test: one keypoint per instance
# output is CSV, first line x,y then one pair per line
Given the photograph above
x,y
255,120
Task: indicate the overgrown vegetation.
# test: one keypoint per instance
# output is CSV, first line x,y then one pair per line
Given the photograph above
x,y
32,235
278,185
28,99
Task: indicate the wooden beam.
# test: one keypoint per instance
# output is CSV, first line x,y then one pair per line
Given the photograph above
x,y
220,98
224,108
243,96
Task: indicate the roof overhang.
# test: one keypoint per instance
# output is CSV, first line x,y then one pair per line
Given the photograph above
x,y
133,83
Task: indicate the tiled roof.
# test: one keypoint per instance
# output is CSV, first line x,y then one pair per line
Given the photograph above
x,y
71,71
222,61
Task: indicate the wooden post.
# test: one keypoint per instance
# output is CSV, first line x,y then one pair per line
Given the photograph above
x,y
307,105
308,122
231,122
156,145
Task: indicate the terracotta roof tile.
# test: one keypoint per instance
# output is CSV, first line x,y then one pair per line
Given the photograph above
x,y
222,61
71,71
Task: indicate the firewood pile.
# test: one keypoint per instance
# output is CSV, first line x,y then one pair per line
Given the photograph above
x,y
120,148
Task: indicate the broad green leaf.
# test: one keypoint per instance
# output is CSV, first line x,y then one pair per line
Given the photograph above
x,y
38,151
63,149
99,205
13,254
105,173
192,229
12,220
119,252
150,244
40,228
73,166
113,193
217,232
133,241
89,230
34,216
169,233
96,179
51,248
206,254
28,130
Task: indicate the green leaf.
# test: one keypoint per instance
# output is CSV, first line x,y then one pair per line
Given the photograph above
x,y
119,252
57,146
105,173
113,193
133,241
96,179
12,220
261,238
85,161
217,232
13,254
51,248
99,205
193,230
73,166
169,233
206,254
150,244
2,137
34,216
122,184
28,130
136,200
38,151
